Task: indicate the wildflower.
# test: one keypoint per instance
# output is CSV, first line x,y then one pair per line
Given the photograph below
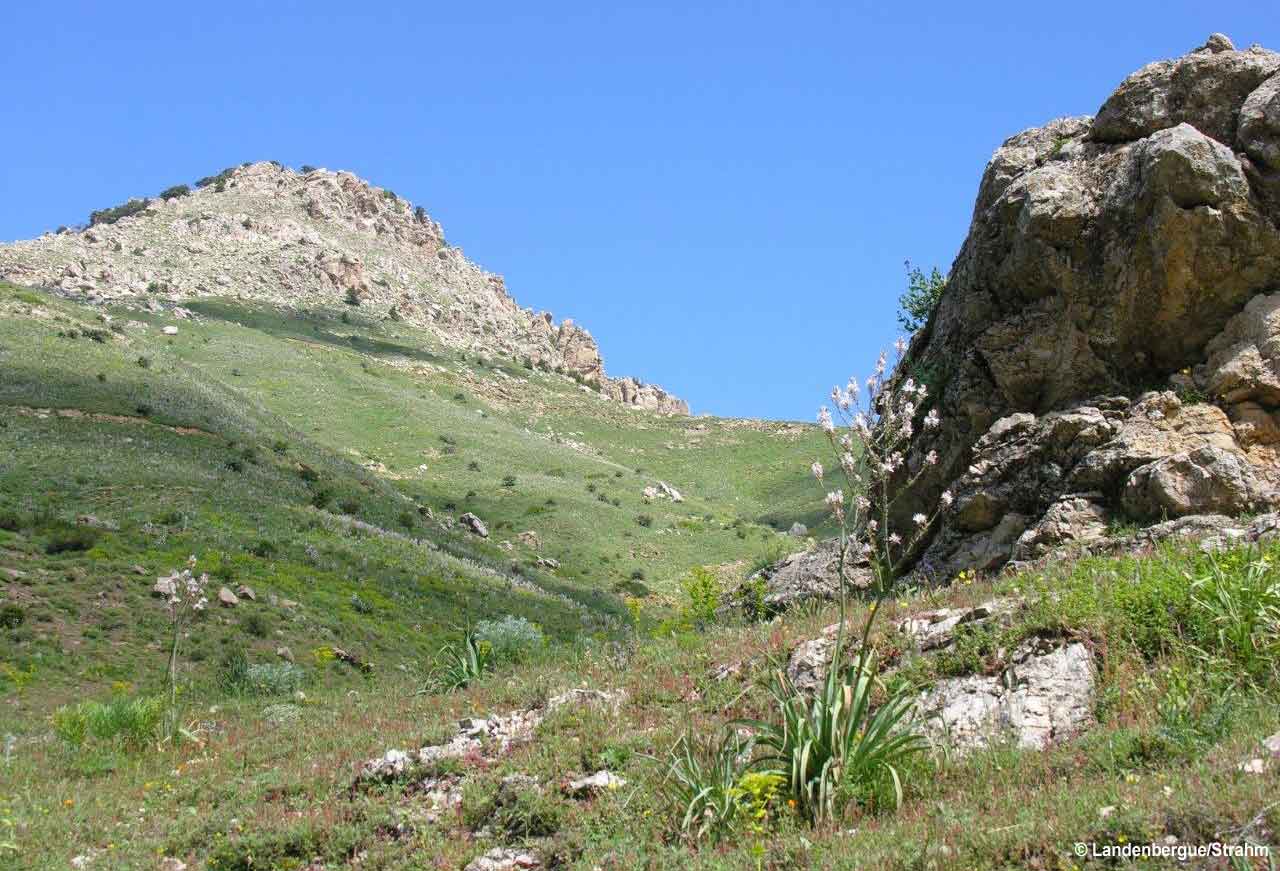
x,y
900,345
824,420
931,458
931,419
909,386
817,470
894,538
919,519
946,498
835,500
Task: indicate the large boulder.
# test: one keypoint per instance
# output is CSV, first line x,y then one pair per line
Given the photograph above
x,y
1136,253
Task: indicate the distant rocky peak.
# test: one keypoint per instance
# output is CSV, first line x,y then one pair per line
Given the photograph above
x,y
268,233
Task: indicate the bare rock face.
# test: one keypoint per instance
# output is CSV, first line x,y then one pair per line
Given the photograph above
x,y
1134,254
1045,696
264,232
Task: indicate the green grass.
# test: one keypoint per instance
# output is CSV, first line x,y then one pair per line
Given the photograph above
x,y
285,450
112,474
1172,729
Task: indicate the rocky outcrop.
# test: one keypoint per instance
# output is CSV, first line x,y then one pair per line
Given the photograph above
x,y
1040,694
264,232
1107,345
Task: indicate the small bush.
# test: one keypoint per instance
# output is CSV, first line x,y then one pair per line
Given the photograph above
x,y
702,598
144,362
178,190
115,213
322,498
510,639
360,606
256,625
71,540
920,298
645,520
349,506
12,616
10,521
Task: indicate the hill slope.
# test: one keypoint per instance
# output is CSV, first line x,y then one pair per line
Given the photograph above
x,y
323,459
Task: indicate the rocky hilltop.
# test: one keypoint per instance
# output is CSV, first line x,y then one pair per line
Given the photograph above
x,y
1107,349
265,232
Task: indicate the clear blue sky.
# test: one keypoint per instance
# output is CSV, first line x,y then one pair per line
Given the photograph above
x,y
724,194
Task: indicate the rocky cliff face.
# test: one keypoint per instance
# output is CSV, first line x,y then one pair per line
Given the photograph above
x,y
1108,345
265,232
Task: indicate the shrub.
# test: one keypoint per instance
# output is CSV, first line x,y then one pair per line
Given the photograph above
x,y
322,498
510,639
473,466
178,190
10,521
263,549
71,540
645,520
702,598
306,168
349,506
508,481
256,625
920,298
219,181
134,722
280,447
144,362
115,213
12,616
360,606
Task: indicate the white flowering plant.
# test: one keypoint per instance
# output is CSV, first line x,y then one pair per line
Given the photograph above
x,y
870,431
185,599
834,746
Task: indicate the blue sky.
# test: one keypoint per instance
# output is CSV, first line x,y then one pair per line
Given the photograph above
x,y
724,194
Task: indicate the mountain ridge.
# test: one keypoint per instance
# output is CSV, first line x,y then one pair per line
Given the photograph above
x,y
266,232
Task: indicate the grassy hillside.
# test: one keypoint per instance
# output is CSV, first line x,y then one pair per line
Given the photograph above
x,y
318,458
1178,708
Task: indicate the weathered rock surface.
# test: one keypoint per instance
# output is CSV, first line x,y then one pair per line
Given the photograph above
x,y
474,524
808,574
1043,693
1044,696
268,233
1137,248
505,859
486,736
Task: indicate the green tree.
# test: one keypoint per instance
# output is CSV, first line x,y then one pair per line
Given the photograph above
x,y
920,298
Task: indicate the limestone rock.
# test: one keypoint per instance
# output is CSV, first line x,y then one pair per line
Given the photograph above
x,y
474,524
1045,696
505,859
1138,247
226,598
798,530
806,575
593,784
309,240
1208,480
